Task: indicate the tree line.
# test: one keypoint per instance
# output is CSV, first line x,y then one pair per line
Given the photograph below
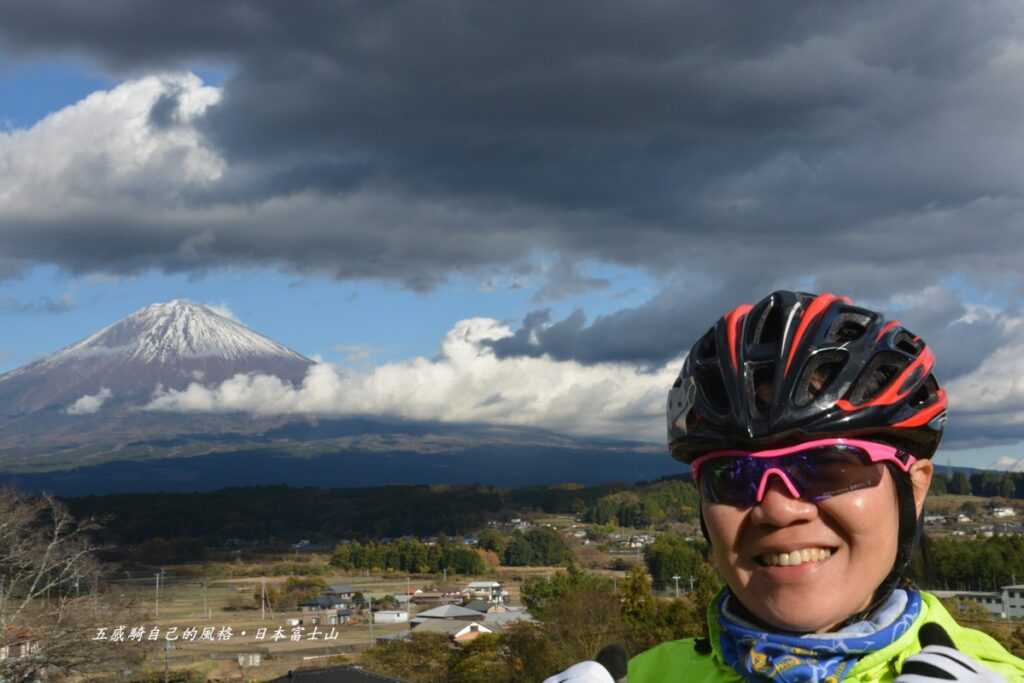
x,y
285,513
537,547
409,555
973,564
989,484
646,505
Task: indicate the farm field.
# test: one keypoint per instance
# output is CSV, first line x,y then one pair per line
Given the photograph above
x,y
184,603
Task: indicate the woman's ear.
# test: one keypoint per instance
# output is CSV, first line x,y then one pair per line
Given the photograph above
x,y
921,478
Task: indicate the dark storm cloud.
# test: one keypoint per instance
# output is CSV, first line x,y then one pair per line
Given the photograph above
x,y
965,432
564,279
865,147
661,329
668,120
117,246
668,325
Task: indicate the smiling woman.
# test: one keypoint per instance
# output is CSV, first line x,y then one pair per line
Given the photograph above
x,y
809,425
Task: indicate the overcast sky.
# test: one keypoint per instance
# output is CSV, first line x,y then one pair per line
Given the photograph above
x,y
592,183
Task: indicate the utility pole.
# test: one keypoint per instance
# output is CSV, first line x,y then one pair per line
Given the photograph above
x,y
370,619
263,599
676,579
157,594
167,649
691,583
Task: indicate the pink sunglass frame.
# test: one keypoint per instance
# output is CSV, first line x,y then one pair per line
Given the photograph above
x,y
878,452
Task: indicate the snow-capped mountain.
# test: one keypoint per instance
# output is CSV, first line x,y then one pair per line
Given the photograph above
x,y
168,345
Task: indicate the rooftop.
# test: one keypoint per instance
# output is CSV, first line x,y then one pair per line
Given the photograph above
x,y
335,674
448,612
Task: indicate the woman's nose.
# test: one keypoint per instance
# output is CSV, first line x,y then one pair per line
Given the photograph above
x,y
779,507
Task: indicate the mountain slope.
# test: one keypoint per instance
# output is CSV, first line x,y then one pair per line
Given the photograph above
x,y
167,345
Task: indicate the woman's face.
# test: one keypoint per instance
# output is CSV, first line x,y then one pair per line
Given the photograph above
x,y
799,592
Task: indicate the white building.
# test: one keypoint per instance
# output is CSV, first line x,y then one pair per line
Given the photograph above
x,y
1008,603
249,659
390,617
484,590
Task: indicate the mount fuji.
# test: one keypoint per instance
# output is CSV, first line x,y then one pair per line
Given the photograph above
x,y
73,422
162,346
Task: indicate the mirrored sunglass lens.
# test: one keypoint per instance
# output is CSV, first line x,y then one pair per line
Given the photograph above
x,y
831,470
730,480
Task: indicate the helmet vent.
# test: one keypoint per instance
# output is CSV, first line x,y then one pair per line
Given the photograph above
x,y
707,348
819,374
709,378
926,394
882,369
906,343
763,388
848,326
691,421
769,327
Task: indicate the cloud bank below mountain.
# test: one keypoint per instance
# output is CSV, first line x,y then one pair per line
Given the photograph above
x,y
466,382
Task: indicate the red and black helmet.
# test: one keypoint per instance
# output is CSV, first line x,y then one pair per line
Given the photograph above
x,y
799,366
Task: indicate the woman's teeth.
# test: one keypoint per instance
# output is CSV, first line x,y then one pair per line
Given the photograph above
x,y
796,557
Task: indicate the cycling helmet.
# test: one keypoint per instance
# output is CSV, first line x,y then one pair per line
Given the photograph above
x,y
796,367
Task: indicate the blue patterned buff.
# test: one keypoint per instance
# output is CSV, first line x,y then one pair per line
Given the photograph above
x,y
761,656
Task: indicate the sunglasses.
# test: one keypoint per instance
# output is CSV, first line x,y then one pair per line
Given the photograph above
x,y
814,471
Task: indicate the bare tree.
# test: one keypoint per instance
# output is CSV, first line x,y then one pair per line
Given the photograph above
x,y
49,609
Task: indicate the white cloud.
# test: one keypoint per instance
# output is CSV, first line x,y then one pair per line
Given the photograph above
x,y
223,310
1009,464
996,387
90,403
104,152
465,382
100,187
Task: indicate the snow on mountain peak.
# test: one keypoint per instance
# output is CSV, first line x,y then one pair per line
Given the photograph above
x,y
169,345
177,329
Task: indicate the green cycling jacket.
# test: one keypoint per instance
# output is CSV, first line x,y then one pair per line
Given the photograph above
x,y
678,660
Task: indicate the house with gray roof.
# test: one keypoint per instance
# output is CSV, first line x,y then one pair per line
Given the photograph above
x,y
334,674
322,603
448,612
458,630
478,605
344,591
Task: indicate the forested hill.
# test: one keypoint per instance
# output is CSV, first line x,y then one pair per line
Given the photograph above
x,y
288,513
